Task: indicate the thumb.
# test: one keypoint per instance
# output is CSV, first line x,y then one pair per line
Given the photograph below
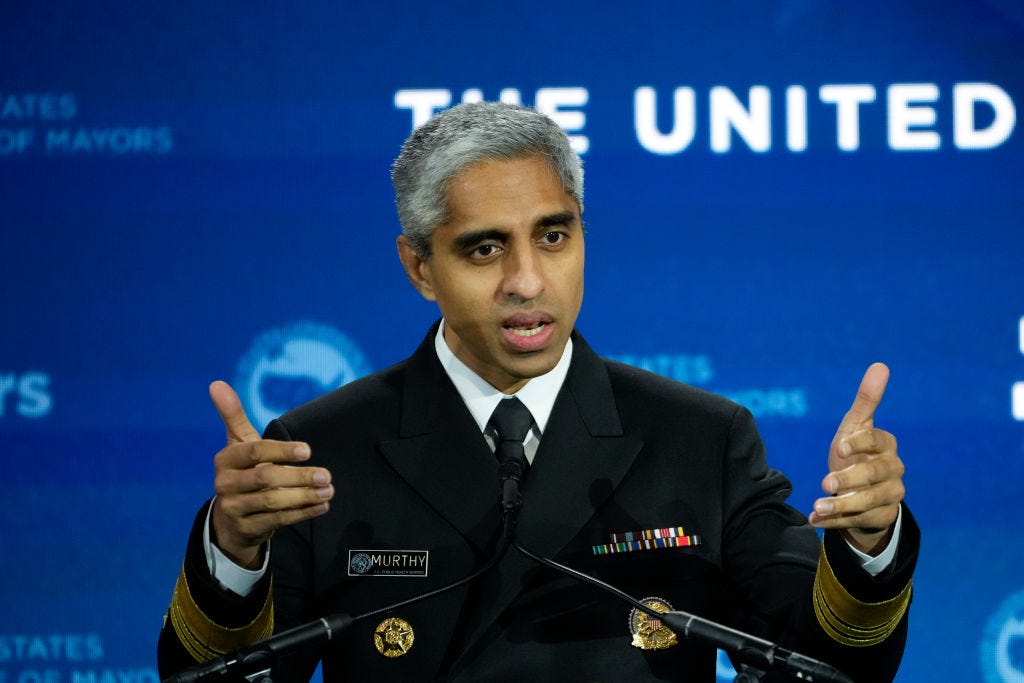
x,y
232,414
861,414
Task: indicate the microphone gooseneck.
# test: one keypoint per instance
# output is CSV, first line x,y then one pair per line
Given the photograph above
x,y
760,654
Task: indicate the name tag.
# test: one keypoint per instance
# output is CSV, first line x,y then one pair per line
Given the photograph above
x,y
388,562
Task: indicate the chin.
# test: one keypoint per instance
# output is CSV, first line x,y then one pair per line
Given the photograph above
x,y
535,367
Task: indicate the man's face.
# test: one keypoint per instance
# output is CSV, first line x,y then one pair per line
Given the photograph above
x,y
506,269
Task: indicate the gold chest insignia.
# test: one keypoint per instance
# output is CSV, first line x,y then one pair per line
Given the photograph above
x,y
393,637
648,632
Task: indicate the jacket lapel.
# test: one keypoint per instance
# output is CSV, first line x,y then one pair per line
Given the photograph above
x,y
583,456
441,453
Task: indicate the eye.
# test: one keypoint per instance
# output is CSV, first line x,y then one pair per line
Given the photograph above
x,y
553,237
484,251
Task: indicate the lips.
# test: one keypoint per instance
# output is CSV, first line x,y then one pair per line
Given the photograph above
x,y
528,331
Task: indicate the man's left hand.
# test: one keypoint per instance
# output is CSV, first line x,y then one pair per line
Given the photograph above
x,y
865,476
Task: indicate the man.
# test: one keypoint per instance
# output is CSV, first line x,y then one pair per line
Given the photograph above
x,y
658,488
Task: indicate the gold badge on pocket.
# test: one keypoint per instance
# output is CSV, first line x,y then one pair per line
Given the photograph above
x,y
393,637
648,632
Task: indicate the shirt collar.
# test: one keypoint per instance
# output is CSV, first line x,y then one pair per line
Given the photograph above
x,y
538,394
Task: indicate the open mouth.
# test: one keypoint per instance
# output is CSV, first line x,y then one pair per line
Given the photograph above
x,y
527,331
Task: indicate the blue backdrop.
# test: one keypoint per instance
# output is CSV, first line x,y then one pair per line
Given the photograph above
x,y
778,194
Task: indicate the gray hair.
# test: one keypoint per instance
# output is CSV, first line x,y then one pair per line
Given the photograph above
x,y
461,136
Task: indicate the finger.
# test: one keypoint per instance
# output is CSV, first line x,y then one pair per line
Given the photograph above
x,y
866,442
873,520
262,477
881,498
863,474
240,456
238,507
257,528
869,395
231,413
861,446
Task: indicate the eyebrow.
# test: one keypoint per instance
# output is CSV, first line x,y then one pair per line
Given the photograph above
x,y
468,239
560,218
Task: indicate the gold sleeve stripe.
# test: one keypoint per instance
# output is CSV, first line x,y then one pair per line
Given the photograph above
x,y
850,621
204,639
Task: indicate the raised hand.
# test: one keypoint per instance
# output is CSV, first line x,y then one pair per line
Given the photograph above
x,y
865,476
258,491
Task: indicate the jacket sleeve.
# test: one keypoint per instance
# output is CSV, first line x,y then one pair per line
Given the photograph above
x,y
809,595
205,621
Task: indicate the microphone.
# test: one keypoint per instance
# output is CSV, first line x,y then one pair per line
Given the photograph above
x,y
259,656
511,421
511,468
758,654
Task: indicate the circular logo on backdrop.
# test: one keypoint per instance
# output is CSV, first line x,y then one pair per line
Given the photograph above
x,y
288,366
1002,646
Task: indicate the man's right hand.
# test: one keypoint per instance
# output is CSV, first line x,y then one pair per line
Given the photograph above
x,y
258,492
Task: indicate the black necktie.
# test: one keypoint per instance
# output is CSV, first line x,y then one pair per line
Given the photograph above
x,y
511,420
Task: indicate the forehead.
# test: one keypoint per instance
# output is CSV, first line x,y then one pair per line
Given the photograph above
x,y
506,190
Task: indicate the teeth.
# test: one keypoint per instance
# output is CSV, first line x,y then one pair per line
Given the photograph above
x,y
519,332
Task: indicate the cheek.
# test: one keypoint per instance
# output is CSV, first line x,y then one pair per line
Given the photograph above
x,y
570,281
463,299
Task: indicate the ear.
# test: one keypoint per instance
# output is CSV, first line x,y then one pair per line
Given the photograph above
x,y
417,268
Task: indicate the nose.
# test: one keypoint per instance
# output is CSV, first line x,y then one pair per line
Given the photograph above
x,y
523,278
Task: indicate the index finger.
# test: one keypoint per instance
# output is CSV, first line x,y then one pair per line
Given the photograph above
x,y
232,414
862,413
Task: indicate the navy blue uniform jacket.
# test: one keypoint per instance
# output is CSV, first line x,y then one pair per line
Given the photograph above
x,y
624,450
